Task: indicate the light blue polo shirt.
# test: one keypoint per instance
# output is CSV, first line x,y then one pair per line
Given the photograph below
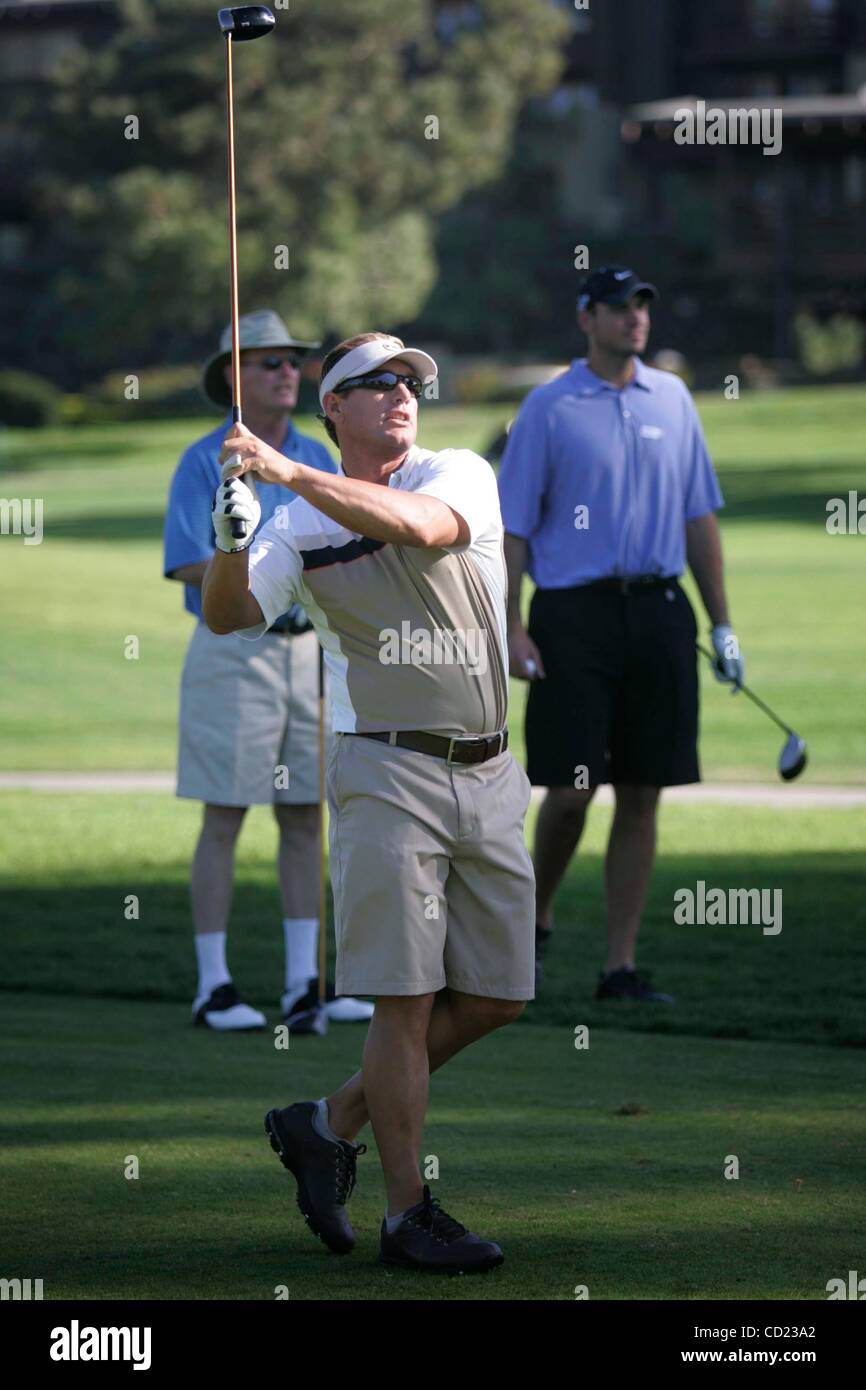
x,y
189,535
600,481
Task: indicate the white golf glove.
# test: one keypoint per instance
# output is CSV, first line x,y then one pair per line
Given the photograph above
x,y
234,502
729,665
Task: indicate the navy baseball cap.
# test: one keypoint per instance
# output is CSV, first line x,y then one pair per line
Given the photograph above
x,y
613,284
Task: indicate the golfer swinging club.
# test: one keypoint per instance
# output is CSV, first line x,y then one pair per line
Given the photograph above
x,y
397,560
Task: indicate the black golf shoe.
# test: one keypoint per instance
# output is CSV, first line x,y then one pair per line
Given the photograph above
x,y
431,1241
542,941
325,1172
628,984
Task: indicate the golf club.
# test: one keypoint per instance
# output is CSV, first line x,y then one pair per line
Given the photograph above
x,y
315,1020
239,26
794,754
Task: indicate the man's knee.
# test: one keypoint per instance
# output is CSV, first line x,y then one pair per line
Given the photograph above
x,y
487,1014
568,803
297,820
222,823
635,802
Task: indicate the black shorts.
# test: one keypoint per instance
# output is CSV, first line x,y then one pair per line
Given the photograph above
x,y
620,697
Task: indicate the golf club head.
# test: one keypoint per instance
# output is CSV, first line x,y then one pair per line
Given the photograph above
x,y
246,22
793,758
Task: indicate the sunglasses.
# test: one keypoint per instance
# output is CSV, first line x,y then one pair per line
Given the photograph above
x,y
382,381
273,364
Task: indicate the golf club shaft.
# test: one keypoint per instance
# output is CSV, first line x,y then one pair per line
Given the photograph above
x,y
756,699
238,528
323,898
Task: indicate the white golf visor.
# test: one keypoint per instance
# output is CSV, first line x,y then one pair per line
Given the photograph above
x,y
374,354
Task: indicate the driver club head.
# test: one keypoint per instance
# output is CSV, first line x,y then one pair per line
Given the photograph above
x,y
793,758
246,22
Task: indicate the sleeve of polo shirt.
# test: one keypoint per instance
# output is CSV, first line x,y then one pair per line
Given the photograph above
x,y
523,470
702,491
276,569
464,481
188,533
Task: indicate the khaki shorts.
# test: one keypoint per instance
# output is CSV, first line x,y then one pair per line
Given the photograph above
x,y
248,709
433,884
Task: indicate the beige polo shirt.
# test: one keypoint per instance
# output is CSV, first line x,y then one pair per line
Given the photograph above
x,y
413,637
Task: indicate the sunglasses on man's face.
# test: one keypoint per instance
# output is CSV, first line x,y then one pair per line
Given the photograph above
x,y
273,364
382,381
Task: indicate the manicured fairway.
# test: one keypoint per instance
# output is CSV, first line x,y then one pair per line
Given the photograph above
x,y
76,702
69,863
601,1167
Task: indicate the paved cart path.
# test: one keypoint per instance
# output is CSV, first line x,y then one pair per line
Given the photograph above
x,y
730,793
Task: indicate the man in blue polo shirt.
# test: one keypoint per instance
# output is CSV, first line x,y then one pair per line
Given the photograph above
x,y
607,491
249,719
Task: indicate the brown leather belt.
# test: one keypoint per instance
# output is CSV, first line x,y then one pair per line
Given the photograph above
x,y
453,750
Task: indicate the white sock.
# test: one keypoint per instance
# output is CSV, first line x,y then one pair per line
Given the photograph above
x,y
210,948
392,1222
302,940
320,1122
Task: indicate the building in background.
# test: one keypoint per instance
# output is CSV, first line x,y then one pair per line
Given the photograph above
x,y
757,255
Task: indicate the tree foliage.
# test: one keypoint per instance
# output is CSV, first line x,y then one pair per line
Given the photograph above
x,y
129,262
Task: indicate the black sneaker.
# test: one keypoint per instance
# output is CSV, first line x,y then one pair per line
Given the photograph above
x,y
628,984
542,941
325,1171
429,1240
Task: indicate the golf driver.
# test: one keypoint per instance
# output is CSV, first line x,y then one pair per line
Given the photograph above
x,y
238,26
794,755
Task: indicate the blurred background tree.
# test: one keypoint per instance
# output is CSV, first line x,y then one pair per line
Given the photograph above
x,y
335,163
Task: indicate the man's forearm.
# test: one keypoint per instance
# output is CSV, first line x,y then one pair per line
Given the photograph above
x,y
226,601
371,509
515,564
704,551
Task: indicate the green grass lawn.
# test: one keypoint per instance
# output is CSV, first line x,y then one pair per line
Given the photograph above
x,y
71,861
601,1167
75,702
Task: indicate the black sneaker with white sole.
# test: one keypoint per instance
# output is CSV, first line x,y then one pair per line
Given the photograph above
x,y
226,1012
431,1241
325,1172
299,1006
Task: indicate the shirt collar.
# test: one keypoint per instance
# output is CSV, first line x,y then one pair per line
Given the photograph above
x,y
400,472
589,384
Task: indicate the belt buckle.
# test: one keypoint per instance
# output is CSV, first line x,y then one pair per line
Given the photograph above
x,y
472,738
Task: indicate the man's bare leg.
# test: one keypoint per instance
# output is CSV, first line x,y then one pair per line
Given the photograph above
x,y
628,869
213,868
396,1074
298,858
452,1020
561,818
